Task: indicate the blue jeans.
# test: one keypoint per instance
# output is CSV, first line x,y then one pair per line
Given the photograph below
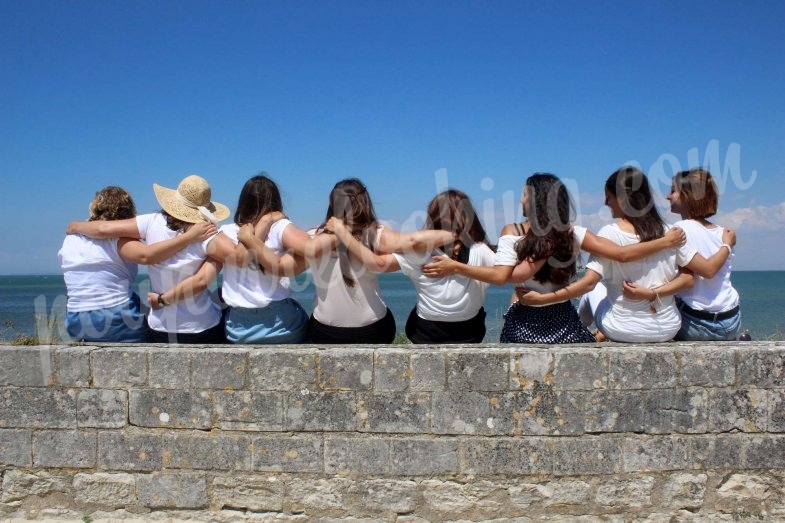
x,y
124,323
699,329
282,321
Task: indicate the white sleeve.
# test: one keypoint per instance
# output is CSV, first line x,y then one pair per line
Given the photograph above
x,y
505,253
579,233
143,222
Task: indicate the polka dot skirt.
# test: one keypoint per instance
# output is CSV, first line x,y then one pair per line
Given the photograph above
x,y
557,323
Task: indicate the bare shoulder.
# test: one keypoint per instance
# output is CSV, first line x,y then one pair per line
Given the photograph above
x,y
511,229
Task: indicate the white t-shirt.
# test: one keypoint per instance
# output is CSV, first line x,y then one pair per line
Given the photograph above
x,y
632,320
716,294
338,305
186,316
95,275
507,255
451,298
248,287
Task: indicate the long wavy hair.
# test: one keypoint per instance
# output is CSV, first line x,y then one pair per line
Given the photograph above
x,y
453,211
630,186
550,214
351,203
260,195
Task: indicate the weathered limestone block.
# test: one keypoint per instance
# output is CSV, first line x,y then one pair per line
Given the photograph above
x,y
61,449
16,447
487,370
761,367
741,409
546,411
18,484
632,491
169,368
73,367
776,411
356,455
747,493
396,412
208,451
287,453
428,371
721,451
587,456
283,369
346,369
389,495
115,367
253,493
764,452
706,366
224,368
130,451
26,366
504,413
391,370
615,411
172,490
181,409
465,413
447,497
320,411
685,491
317,496
102,408
530,367
417,457
677,410
512,456
104,489
580,369
654,453
643,368
245,410
37,408
555,493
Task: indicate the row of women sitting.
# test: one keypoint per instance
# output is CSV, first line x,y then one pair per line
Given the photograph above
x,y
642,264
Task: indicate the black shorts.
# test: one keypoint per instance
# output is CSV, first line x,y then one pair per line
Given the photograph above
x,y
382,331
422,331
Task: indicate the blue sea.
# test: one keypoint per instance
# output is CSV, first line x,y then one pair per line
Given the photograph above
x,y
24,297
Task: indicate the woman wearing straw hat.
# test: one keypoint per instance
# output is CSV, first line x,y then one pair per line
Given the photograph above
x,y
99,273
184,314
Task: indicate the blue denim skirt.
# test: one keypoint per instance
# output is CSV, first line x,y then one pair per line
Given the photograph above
x,y
282,321
123,323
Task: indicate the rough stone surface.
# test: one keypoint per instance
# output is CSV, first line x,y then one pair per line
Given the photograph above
x,y
16,447
172,490
130,451
356,455
207,451
246,410
36,407
73,367
64,449
481,371
739,409
318,496
27,366
657,453
387,495
630,492
646,368
395,412
428,372
102,408
180,409
119,367
424,457
249,493
583,369
685,491
224,368
283,369
320,411
346,369
282,452
169,368
391,370
18,484
711,366
107,490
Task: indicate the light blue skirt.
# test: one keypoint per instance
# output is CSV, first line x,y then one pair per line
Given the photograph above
x,y
282,321
123,323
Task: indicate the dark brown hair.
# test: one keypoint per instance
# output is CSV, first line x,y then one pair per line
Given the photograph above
x,y
550,235
112,203
351,203
697,192
260,195
631,189
452,210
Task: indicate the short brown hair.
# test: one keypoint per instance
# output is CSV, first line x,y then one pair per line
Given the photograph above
x,y
697,192
112,203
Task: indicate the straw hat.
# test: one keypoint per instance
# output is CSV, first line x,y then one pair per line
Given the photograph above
x,y
191,201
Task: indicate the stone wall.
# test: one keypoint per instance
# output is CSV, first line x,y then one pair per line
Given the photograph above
x,y
397,433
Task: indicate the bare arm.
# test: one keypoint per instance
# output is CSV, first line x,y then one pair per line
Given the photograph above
x,y
607,249
683,281
148,254
187,288
709,267
102,229
573,290
285,264
370,260
418,241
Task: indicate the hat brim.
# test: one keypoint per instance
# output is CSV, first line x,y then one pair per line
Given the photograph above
x,y
167,199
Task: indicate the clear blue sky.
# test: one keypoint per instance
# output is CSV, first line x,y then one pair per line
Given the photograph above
x,y
131,93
